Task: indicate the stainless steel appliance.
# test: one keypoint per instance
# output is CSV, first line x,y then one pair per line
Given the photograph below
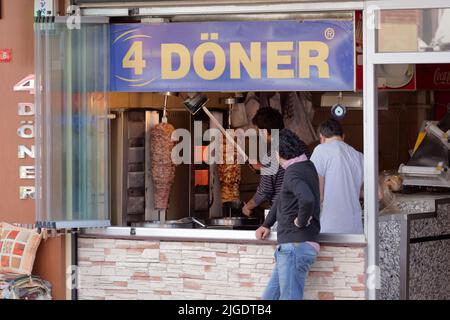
x,y
131,181
230,215
429,163
195,198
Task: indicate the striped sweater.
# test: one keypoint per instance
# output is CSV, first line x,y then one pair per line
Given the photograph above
x,y
270,185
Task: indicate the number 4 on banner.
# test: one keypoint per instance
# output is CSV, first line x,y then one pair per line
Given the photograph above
x,y
138,64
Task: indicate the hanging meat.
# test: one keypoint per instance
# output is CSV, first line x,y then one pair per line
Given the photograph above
x,y
162,167
229,173
298,113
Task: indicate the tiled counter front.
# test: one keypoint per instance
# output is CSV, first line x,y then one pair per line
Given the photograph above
x,y
139,269
415,249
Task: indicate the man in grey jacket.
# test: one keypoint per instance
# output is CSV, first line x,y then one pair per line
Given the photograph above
x,y
270,184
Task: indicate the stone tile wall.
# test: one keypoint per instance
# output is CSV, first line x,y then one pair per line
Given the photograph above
x,y
136,269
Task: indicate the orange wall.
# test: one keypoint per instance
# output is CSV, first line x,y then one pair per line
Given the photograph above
x,y
16,33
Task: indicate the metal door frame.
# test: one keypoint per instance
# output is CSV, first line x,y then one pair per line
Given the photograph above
x,y
148,9
370,91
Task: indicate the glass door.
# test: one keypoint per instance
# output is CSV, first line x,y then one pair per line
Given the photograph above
x,y
72,72
395,33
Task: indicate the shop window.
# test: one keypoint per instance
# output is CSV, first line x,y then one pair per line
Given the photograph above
x,y
413,30
72,125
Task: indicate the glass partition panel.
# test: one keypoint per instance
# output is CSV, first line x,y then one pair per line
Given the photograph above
x,y
413,30
72,68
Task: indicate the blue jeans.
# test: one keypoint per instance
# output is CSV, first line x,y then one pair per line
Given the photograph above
x,y
292,263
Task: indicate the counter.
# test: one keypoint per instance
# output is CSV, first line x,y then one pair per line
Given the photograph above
x,y
210,235
162,263
206,264
415,248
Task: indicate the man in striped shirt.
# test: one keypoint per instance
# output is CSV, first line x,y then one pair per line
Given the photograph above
x,y
269,184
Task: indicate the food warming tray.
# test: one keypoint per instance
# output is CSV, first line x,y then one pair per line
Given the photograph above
x,y
168,224
188,222
233,221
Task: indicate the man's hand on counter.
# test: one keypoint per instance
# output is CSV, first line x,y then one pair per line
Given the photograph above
x,y
262,233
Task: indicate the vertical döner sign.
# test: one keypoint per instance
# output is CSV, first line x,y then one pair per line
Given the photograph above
x,y
26,150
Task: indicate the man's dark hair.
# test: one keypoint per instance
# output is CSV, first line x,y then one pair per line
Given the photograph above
x,y
330,128
290,146
268,118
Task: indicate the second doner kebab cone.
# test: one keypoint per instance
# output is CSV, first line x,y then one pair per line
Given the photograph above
x,y
229,173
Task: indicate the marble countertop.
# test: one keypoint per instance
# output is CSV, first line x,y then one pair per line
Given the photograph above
x,y
412,204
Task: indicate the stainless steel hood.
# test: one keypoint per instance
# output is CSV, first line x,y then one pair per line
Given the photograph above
x,y
163,3
221,8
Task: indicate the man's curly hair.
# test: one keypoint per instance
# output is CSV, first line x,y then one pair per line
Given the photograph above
x,y
290,146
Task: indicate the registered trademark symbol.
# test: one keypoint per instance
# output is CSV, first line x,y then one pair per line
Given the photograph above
x,y
329,33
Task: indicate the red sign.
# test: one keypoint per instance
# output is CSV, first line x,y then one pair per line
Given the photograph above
x,y
5,55
433,76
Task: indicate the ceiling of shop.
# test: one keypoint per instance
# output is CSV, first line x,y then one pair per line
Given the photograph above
x,y
153,3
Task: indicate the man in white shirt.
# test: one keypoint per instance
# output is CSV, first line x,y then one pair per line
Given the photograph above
x,y
340,168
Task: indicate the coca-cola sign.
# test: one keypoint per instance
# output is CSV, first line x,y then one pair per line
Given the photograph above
x,y
441,77
433,76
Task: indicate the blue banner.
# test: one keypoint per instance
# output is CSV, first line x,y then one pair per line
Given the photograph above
x,y
233,56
